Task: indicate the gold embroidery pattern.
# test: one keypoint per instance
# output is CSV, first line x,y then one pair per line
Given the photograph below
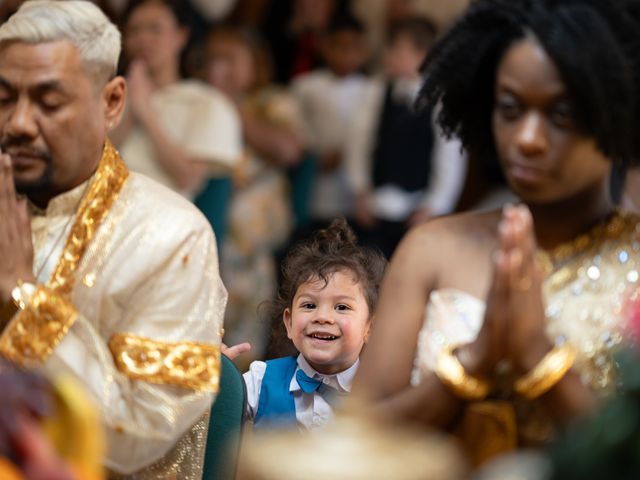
x,y
184,364
105,186
612,229
586,293
37,329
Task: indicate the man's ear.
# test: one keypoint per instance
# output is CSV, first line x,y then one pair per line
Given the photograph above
x,y
114,95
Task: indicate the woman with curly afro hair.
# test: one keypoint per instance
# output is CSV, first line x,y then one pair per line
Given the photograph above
x,y
501,326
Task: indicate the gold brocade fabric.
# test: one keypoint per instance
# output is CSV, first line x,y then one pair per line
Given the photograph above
x,y
35,331
587,286
103,191
183,462
185,364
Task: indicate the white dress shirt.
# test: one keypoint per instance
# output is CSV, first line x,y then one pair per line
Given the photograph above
x,y
312,410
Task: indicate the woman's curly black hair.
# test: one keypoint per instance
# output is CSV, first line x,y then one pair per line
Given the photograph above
x,y
595,44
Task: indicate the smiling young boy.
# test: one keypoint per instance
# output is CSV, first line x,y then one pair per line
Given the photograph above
x,y
326,300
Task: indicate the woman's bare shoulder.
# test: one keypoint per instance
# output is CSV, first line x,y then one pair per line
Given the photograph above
x,y
470,228
445,251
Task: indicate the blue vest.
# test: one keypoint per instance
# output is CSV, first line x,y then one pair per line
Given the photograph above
x,y
276,407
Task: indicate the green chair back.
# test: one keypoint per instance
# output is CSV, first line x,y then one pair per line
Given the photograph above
x,y
225,424
213,201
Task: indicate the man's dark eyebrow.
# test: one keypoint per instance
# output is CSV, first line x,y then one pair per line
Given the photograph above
x,y
48,86
40,88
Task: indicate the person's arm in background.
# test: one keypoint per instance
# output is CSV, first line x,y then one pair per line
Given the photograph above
x,y
449,167
276,134
212,145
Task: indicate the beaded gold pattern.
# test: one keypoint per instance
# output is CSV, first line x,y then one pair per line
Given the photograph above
x,y
104,189
35,331
184,364
552,261
587,283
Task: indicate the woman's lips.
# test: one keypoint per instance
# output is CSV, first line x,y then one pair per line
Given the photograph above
x,y
526,173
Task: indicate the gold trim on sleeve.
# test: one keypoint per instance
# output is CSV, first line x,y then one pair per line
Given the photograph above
x,y
184,364
35,331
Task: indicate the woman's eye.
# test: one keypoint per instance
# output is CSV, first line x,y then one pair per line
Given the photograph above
x,y
508,108
562,115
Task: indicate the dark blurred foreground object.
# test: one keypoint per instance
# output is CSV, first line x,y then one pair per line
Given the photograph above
x,y
606,445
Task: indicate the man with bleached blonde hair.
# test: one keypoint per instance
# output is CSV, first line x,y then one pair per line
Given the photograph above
x,y
105,275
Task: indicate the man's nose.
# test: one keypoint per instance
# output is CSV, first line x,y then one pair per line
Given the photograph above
x,y
22,120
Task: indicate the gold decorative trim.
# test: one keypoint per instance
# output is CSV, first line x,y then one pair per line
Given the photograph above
x,y
613,228
104,189
184,364
35,331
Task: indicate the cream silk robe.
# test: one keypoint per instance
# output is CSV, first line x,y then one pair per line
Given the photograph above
x,y
131,303
587,288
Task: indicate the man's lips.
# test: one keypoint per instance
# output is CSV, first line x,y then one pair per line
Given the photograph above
x,y
24,158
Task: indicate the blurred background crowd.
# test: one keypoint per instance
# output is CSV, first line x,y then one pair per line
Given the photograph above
x,y
275,117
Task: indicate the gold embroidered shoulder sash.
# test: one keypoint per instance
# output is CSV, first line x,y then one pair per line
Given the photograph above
x,y
35,331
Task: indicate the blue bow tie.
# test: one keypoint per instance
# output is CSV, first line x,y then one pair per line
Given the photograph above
x,y
310,385
307,384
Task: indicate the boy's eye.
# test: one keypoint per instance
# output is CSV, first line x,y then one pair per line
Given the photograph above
x,y
308,305
342,307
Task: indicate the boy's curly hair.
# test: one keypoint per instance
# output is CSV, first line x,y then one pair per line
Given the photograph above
x,y
595,44
326,252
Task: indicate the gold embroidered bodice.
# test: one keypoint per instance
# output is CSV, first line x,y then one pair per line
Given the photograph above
x,y
587,285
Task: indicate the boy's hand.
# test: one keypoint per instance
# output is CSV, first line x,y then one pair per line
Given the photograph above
x,y
236,350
